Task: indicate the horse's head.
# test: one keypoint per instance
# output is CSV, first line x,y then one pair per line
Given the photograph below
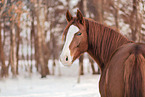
x,y
76,41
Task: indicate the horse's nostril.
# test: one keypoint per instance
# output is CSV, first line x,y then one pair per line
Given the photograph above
x,y
66,58
60,60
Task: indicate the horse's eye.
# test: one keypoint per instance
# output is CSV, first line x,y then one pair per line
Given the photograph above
x,y
79,33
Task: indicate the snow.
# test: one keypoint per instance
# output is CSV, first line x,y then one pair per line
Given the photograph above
x,y
52,86
32,85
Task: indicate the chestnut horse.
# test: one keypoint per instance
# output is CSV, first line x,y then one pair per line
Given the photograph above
x,y
122,62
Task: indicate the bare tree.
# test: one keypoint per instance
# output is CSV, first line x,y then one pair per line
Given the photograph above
x,y
40,45
135,24
17,48
32,36
2,57
13,48
96,7
4,72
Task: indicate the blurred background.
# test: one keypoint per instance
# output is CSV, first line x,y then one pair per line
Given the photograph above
x,y
31,42
31,31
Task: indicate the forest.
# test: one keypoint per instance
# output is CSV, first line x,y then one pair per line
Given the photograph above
x,y
31,30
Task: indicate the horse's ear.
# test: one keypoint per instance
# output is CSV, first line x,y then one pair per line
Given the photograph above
x,y
68,16
80,17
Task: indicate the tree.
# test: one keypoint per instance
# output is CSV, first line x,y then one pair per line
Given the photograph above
x,y
96,7
4,71
40,32
135,20
56,26
13,48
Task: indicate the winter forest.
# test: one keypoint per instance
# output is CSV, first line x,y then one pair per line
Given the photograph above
x,y
31,41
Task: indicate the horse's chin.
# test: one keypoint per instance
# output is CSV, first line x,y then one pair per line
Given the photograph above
x,y
68,64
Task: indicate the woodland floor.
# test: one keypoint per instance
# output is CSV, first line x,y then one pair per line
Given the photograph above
x,y
32,85
52,86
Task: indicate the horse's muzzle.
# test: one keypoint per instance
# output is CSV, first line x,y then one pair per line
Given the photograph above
x,y
66,60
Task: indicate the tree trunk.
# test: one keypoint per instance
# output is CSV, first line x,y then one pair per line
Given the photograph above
x,y
31,66
4,72
28,58
116,15
13,47
40,43
100,11
17,49
52,39
134,19
36,52
92,66
45,47
81,65
32,37
53,67
40,52
53,51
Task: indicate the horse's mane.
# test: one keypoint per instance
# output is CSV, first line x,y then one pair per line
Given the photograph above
x,y
104,43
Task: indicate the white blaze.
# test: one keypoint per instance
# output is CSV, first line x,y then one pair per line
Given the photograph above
x,y
66,51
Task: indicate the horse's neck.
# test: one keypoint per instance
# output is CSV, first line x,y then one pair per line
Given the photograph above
x,y
103,41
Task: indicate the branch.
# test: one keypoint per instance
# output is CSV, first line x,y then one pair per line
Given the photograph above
x,y
4,6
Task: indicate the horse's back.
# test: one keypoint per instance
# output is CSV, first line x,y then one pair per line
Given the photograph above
x,y
125,75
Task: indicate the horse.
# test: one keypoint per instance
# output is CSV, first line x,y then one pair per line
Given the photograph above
x,y
121,61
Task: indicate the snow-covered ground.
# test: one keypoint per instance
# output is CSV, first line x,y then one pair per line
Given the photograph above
x,y
52,86
26,85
